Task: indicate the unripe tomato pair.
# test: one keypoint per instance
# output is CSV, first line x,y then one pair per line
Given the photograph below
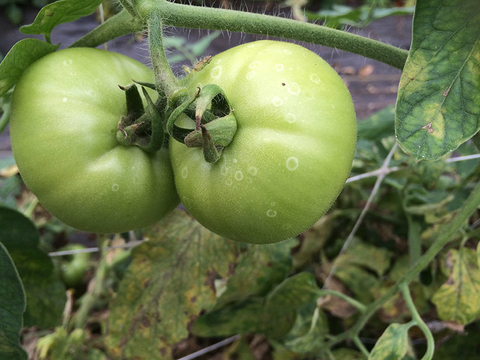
x,y
287,163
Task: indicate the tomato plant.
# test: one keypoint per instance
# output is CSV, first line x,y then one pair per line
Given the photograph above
x,y
292,151
66,110
261,142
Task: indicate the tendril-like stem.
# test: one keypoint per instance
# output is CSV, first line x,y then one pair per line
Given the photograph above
x,y
418,321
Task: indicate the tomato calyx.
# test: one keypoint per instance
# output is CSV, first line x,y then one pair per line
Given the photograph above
x,y
215,123
142,127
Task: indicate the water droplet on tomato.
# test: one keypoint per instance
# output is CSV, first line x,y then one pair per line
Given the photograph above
x,y
293,88
277,101
239,176
290,118
271,213
292,163
216,72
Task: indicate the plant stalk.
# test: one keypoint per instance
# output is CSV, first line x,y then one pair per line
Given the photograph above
x,y
165,81
197,17
419,322
118,25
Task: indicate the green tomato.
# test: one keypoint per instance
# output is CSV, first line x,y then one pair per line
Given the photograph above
x,y
291,154
65,112
73,267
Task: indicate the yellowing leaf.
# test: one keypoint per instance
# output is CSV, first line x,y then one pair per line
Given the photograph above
x,y
437,107
170,281
393,344
458,298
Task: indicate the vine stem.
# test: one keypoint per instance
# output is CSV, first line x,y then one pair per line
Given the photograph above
x,y
196,17
118,25
90,299
418,321
355,303
445,233
165,81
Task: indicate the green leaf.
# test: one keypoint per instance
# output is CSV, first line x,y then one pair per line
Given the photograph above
x,y
308,333
459,347
247,316
45,292
273,316
23,54
9,189
366,255
294,292
239,350
259,268
393,344
12,306
59,12
438,104
170,281
358,17
377,126
347,354
457,298
314,239
298,295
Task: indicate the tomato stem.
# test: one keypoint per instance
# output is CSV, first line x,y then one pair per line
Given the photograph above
x,y
118,25
418,321
188,16
165,81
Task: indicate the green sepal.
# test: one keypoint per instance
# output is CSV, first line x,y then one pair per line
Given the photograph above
x,y
145,84
212,98
142,128
215,123
221,131
157,136
180,109
179,133
211,153
134,104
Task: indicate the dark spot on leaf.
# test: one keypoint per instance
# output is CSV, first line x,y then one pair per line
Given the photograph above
x,y
269,264
231,269
146,284
146,322
191,323
193,299
450,281
210,280
283,84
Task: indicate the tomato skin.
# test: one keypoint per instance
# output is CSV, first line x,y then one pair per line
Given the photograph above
x,y
65,113
292,152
